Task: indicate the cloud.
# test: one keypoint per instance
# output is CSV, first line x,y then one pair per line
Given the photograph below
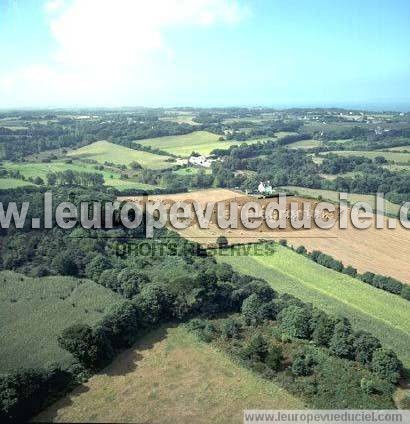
x,y
111,46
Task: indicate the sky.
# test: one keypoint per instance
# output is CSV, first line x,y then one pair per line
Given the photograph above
x,y
284,53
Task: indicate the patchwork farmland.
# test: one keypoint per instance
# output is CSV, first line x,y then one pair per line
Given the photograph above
x,y
368,308
380,251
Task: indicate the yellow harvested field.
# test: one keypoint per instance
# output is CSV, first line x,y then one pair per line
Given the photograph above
x,y
383,251
202,196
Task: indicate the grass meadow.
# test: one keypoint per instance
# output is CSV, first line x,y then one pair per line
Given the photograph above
x,y
304,144
13,183
104,151
170,376
202,142
391,156
34,312
399,148
383,314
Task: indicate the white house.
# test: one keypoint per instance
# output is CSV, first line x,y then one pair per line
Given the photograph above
x,y
265,188
200,161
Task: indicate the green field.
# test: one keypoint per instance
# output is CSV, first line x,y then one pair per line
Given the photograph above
x,y
304,144
191,171
333,196
202,142
40,169
399,158
170,377
368,308
34,312
397,168
180,118
13,183
104,151
399,148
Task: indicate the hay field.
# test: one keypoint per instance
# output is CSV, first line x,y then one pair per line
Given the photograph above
x,y
384,251
104,151
170,377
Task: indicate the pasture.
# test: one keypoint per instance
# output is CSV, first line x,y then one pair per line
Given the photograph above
x,y
304,144
368,308
34,312
104,151
168,377
399,148
202,142
41,169
6,183
391,156
191,170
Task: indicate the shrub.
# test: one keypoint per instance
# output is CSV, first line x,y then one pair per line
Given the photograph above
x,y
405,292
369,385
295,321
367,277
96,266
315,254
303,364
256,349
120,325
274,358
222,241
364,345
283,242
255,310
349,270
230,329
64,265
89,347
204,329
322,327
386,365
154,304
25,392
341,343
130,282
301,250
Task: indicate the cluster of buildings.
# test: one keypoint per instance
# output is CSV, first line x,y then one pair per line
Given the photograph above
x,y
201,161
